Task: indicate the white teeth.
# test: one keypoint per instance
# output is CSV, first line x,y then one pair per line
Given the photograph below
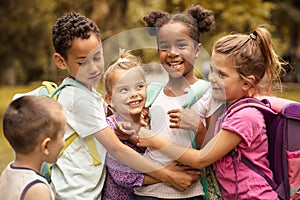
x,y
134,103
175,63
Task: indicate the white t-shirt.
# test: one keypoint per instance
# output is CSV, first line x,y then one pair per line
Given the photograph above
x,y
204,108
15,181
75,176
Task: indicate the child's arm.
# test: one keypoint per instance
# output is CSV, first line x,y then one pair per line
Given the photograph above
x,y
38,191
149,180
173,166
180,180
220,145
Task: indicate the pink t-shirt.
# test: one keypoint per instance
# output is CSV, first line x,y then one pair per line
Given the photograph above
x,y
249,124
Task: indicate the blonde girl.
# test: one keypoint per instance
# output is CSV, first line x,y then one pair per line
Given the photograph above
x,y
125,85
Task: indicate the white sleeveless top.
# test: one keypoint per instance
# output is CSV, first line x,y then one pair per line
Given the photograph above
x,y
15,182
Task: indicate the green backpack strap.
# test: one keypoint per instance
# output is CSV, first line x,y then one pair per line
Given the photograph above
x,y
89,140
196,91
67,82
153,89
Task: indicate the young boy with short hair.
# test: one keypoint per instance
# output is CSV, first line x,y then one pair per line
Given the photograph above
x,y
34,126
80,171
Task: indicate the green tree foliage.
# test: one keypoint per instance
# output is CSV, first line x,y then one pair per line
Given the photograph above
x,y
25,31
286,18
24,38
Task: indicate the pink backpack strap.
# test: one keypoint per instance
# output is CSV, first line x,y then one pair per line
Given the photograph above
x,y
277,103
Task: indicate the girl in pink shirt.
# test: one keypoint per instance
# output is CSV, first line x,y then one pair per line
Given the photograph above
x,y
240,65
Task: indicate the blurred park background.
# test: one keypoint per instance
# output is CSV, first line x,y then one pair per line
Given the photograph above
x,y
26,46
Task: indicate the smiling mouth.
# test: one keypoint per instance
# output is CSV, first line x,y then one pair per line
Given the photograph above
x,y
135,103
96,76
175,65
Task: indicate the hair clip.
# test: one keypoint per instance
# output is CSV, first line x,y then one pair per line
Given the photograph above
x,y
253,36
120,60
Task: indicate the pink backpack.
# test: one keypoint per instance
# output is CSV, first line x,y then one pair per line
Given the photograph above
x,y
282,118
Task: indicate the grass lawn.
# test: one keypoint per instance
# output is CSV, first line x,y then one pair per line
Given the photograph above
x,y
6,93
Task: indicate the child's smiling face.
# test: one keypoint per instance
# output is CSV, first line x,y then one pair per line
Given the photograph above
x,y
177,51
128,92
227,83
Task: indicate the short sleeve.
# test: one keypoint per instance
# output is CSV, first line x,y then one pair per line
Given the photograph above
x,y
85,110
248,123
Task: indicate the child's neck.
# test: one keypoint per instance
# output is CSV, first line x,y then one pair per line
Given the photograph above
x,y
27,162
177,86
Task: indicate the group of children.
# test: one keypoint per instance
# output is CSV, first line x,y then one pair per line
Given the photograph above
x,y
97,164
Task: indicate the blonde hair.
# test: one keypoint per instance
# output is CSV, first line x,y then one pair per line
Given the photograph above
x,y
253,55
125,61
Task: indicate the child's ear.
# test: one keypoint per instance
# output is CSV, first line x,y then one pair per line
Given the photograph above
x,y
198,49
59,61
108,100
248,84
44,146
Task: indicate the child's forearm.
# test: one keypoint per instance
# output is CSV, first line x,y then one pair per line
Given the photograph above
x,y
185,155
149,180
133,159
200,134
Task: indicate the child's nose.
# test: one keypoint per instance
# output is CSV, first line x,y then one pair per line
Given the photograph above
x,y
173,52
211,76
133,93
93,66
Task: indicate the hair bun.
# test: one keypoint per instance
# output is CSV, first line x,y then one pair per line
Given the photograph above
x,y
204,17
154,19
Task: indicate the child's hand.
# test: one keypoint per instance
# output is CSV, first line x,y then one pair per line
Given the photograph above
x,y
124,130
184,119
182,176
144,120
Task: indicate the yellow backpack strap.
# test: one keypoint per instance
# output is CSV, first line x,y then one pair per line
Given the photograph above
x,y
68,141
50,86
93,149
91,146
47,88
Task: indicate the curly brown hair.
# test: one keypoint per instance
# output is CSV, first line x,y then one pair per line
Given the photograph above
x,y
70,26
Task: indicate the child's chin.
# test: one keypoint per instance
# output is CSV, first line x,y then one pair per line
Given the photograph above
x,y
135,111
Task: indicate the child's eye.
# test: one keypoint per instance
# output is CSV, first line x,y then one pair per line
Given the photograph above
x,y
140,86
221,75
181,45
97,57
164,47
82,62
123,90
